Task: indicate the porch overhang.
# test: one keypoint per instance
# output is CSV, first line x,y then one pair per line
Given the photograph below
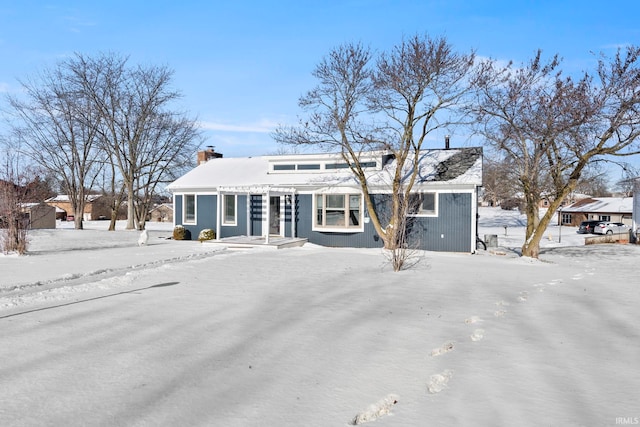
x,y
263,190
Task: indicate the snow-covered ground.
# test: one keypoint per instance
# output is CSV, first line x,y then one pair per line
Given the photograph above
x,y
95,330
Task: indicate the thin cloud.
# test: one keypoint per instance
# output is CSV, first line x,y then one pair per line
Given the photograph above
x,y
264,126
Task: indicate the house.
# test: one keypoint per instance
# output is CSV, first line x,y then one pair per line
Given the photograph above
x,y
572,198
317,197
161,213
63,207
615,209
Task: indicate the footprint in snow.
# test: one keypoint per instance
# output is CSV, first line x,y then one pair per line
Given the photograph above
x,y
444,348
577,276
439,381
500,313
376,410
472,319
523,296
477,335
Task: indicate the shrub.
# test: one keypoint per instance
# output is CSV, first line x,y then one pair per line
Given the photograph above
x,y
181,233
206,234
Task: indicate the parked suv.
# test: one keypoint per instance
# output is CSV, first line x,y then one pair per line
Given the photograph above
x,y
586,227
610,228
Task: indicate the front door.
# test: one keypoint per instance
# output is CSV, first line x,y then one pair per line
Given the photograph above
x,y
274,215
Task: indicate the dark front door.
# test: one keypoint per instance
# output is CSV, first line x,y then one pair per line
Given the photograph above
x,y
274,215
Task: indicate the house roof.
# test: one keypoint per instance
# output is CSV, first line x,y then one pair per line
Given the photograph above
x,y
454,166
162,206
65,198
602,205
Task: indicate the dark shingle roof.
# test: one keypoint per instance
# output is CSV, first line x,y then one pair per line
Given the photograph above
x,y
457,164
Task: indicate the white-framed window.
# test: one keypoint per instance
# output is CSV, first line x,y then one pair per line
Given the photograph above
x,y
189,209
229,209
338,212
424,204
566,218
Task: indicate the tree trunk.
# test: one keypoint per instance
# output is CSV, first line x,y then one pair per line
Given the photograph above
x,y
131,212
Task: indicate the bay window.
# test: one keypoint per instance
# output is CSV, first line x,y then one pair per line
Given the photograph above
x,y
338,211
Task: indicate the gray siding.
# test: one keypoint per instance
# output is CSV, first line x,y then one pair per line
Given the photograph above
x,y
177,210
205,216
366,239
240,229
450,231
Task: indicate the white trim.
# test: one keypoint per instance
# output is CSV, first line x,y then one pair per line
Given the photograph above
x,y
195,209
235,210
345,229
436,202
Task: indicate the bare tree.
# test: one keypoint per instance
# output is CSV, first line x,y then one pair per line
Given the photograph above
x,y
142,135
58,127
497,181
594,181
390,103
13,184
554,126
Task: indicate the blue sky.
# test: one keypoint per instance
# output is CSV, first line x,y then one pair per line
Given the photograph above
x,y
242,65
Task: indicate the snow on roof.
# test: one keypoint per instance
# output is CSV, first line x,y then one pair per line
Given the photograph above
x,y
602,205
65,198
454,166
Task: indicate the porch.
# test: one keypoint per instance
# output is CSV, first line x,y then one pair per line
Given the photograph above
x,y
247,242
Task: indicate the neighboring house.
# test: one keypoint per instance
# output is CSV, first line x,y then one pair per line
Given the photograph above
x,y
161,213
317,197
63,205
615,209
39,215
572,198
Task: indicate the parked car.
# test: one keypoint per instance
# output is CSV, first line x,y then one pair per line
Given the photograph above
x,y
610,228
586,227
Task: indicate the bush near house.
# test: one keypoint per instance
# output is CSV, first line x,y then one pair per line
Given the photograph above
x,y
181,233
206,234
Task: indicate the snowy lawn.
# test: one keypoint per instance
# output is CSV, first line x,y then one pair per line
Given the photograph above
x,y
97,331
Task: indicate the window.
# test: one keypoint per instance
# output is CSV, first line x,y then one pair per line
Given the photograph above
x,y
284,167
309,167
605,218
229,209
566,218
189,213
338,211
423,204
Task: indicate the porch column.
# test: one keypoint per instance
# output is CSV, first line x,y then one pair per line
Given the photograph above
x,y
218,213
248,213
293,214
266,240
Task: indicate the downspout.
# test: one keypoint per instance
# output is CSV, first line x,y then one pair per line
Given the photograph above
x,y
474,220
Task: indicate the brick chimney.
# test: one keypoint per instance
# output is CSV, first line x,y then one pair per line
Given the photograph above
x,y
205,155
